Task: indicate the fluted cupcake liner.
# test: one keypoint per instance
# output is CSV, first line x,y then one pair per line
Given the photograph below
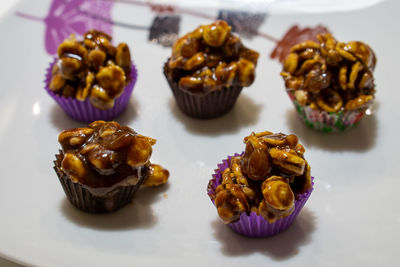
x,y
253,225
329,121
85,200
84,110
204,106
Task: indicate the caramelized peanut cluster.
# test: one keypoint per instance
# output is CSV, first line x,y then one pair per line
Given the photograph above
x,y
105,153
92,68
265,179
210,58
330,75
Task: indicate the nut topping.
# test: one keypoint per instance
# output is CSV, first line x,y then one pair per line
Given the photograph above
x,y
230,202
288,162
74,166
278,199
91,69
140,151
266,178
216,34
105,153
157,175
211,58
255,163
328,75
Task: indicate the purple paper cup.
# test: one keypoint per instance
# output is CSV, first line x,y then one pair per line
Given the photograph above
x,y
203,106
84,110
254,225
99,201
329,122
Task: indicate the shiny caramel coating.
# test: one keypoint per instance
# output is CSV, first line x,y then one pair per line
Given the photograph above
x,y
213,48
192,83
362,52
234,175
112,79
66,136
226,72
215,34
97,58
100,99
157,176
103,160
246,72
195,61
72,68
68,91
233,48
304,45
73,165
105,153
329,100
83,92
231,202
328,74
140,151
123,56
278,199
91,69
287,161
100,40
70,47
273,139
265,179
57,82
301,97
188,45
255,162
358,102
291,62
302,183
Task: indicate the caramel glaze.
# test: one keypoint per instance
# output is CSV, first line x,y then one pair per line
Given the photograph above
x,y
100,185
329,75
91,63
211,58
266,178
103,155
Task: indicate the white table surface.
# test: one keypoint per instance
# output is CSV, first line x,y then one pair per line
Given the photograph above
x,y
5,6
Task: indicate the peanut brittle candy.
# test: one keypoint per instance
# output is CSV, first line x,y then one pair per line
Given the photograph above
x,y
330,82
91,78
208,68
268,183
101,166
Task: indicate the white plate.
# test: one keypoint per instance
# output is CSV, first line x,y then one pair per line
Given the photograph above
x,y
351,219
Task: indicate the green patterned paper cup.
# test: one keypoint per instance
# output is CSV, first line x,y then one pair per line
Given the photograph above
x,y
329,122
